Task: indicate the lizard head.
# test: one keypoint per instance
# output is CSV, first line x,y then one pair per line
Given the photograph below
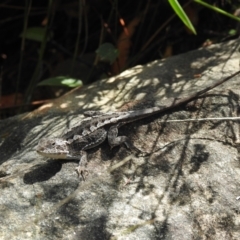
x,y
53,148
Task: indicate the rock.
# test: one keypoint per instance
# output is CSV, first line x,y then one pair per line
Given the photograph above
x,y
186,188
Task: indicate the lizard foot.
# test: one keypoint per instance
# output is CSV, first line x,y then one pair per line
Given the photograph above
x,y
81,171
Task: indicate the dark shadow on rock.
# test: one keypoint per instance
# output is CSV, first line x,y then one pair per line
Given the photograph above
x,y
42,172
94,230
15,131
199,157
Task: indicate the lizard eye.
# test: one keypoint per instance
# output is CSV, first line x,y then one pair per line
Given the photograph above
x,y
53,143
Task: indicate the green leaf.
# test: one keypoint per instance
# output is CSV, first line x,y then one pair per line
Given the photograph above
x,y
181,14
36,34
216,9
107,52
232,32
61,81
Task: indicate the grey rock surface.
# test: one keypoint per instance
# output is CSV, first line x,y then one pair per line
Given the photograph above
x,y
186,188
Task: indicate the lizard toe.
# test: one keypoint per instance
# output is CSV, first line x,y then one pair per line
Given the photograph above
x,y
82,171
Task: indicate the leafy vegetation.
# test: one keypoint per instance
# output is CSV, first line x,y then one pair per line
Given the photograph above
x,y
74,43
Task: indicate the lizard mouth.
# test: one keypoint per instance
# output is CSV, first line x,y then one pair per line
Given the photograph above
x,y
58,155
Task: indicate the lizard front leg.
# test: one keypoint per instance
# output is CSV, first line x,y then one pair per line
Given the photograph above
x,y
81,168
83,143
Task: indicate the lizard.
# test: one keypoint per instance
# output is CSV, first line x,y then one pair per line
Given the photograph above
x,y
99,126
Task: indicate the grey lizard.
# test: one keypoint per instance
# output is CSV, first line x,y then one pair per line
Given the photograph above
x,y
98,127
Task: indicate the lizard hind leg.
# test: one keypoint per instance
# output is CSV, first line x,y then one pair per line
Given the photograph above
x,y
115,140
